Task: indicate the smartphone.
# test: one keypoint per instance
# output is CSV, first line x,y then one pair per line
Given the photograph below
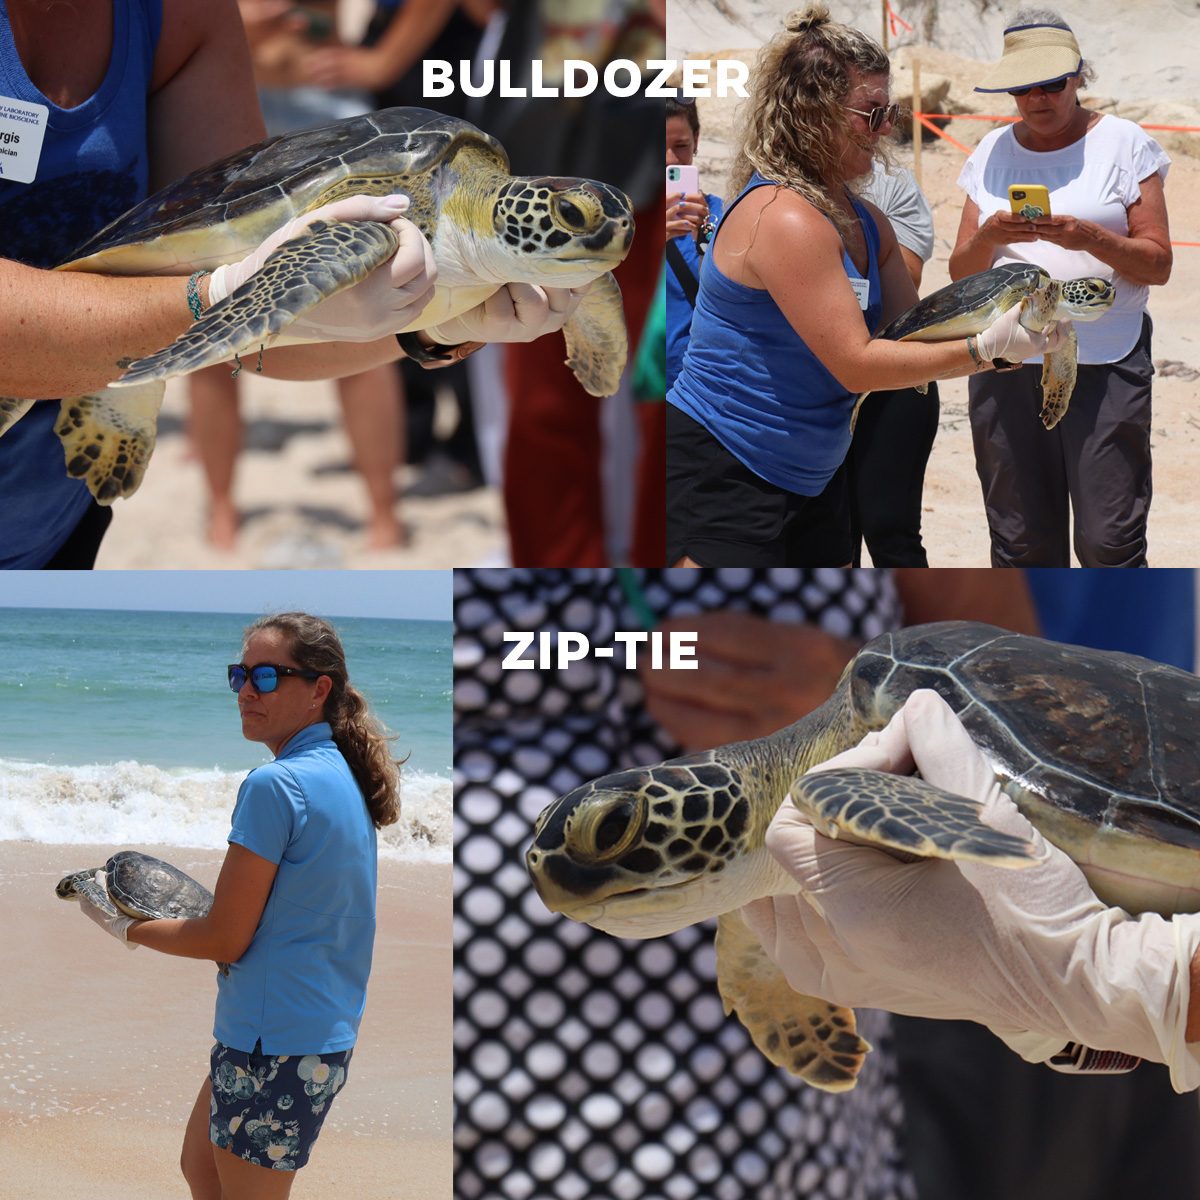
x,y
685,180
1029,200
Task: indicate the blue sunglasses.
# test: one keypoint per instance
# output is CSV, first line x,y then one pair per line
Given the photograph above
x,y
264,677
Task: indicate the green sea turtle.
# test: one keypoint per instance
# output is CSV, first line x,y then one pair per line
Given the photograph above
x,y
1098,750
972,304
140,886
487,228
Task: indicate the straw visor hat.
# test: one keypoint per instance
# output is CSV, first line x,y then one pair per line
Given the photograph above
x,y
1033,55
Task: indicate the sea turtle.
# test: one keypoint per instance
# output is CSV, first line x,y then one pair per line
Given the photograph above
x,y
487,228
1098,749
140,886
972,304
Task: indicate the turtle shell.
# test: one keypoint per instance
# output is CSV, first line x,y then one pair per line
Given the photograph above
x,y
146,887
1096,747
225,209
968,306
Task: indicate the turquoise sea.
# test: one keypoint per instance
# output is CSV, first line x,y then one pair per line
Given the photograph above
x,y
120,728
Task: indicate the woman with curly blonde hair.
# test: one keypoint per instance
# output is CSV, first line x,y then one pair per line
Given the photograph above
x,y
801,274
292,921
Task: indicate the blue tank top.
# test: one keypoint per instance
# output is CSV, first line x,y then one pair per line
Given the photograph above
x,y
93,167
751,381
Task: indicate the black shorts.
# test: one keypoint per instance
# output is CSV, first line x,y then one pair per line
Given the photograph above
x,y
721,514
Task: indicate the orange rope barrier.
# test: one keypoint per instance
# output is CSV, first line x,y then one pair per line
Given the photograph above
x,y
934,129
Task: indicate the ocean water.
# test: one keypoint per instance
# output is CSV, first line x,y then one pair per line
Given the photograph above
x,y
118,728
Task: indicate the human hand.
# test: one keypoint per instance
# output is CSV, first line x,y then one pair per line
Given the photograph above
x,y
392,297
1071,233
1005,228
118,926
1006,338
752,677
1031,953
361,67
685,214
518,312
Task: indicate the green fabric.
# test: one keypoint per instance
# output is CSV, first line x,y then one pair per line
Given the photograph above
x,y
650,365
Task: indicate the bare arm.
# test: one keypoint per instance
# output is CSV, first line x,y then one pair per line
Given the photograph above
x,y
1143,256
967,594
781,243
224,934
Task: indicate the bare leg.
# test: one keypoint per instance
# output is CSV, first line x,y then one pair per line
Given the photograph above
x,y
241,1180
216,429
372,412
197,1161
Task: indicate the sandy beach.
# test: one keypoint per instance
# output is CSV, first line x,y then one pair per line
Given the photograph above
x,y
1143,78
103,1051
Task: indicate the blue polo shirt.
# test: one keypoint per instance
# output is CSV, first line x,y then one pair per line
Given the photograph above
x,y
301,986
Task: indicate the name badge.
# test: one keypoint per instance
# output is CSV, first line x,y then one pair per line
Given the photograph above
x,y
862,292
22,127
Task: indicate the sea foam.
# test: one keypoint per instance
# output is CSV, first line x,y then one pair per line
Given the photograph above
x,y
129,804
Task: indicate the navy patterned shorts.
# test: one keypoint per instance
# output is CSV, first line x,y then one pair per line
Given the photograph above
x,y
268,1108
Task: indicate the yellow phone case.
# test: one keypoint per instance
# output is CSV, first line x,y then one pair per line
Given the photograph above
x,y
1029,200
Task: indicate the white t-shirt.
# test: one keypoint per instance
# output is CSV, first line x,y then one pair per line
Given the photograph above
x,y
1096,179
904,205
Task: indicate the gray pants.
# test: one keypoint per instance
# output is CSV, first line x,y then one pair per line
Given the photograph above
x,y
1095,461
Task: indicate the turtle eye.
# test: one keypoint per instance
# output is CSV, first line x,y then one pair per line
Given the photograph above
x,y
570,214
604,830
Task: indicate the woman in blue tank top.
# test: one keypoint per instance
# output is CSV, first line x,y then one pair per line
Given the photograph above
x,y
801,274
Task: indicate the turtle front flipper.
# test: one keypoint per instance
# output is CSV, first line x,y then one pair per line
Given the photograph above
x,y
597,345
906,814
1058,380
808,1037
83,884
11,411
324,258
108,437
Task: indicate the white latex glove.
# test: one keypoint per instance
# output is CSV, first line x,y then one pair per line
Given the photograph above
x,y
1008,339
518,312
117,926
393,296
1029,952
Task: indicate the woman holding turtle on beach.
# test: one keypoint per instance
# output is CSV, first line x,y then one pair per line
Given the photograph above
x,y
1108,218
293,913
802,274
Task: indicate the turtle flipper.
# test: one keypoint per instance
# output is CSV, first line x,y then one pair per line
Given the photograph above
x,y
901,812
857,405
11,411
93,893
323,259
596,342
808,1037
1058,381
108,437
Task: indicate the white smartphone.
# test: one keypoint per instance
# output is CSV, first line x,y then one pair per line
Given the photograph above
x,y
683,179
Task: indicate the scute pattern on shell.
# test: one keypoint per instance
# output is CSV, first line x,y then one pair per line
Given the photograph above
x,y
395,141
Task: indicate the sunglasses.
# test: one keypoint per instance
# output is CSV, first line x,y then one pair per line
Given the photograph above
x,y
877,116
264,677
1049,88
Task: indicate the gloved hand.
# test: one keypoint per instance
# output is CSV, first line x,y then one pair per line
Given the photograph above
x,y
1008,339
1029,952
117,926
393,296
518,312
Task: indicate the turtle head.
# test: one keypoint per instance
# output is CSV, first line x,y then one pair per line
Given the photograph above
x,y
647,851
1085,299
562,232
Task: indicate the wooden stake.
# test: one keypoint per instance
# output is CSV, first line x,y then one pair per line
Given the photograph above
x,y
885,24
917,127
